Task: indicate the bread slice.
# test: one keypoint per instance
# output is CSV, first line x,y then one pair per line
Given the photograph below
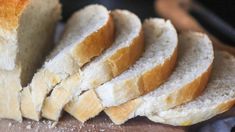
x,y
26,32
76,48
218,97
126,49
152,69
186,82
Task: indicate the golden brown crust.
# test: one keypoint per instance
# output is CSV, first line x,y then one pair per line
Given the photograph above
x,y
95,43
123,110
10,12
125,57
159,74
225,106
82,109
189,91
183,95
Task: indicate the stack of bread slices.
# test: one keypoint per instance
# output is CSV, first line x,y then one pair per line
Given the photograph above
x,y
108,61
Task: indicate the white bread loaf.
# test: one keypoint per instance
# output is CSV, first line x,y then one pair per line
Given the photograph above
x,y
87,33
26,34
125,50
151,70
186,82
218,97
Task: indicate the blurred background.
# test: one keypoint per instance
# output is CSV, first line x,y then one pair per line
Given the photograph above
x,y
223,9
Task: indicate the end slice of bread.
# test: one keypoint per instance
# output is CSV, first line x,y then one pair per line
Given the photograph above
x,y
75,49
186,82
126,49
152,69
10,87
218,97
26,34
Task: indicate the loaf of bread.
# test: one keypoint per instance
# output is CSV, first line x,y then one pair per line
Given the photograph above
x,y
151,70
26,34
125,50
106,60
186,82
76,48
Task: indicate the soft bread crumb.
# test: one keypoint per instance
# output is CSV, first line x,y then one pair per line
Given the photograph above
x,y
161,43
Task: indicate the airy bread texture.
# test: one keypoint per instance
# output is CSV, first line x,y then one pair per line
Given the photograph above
x,y
218,97
76,48
186,82
125,50
26,32
152,69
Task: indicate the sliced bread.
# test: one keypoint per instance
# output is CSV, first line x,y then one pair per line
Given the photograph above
x,y
26,32
186,82
126,49
152,69
76,48
218,97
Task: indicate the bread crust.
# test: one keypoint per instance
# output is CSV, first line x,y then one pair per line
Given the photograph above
x,y
189,91
10,12
120,114
81,109
103,38
127,56
156,76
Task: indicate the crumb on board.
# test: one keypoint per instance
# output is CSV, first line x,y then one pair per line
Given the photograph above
x,y
10,124
28,127
102,130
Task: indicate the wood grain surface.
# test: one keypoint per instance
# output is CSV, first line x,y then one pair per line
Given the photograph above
x,y
101,124
98,124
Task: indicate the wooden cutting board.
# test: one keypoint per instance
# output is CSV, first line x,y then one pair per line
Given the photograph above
x,y
100,124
